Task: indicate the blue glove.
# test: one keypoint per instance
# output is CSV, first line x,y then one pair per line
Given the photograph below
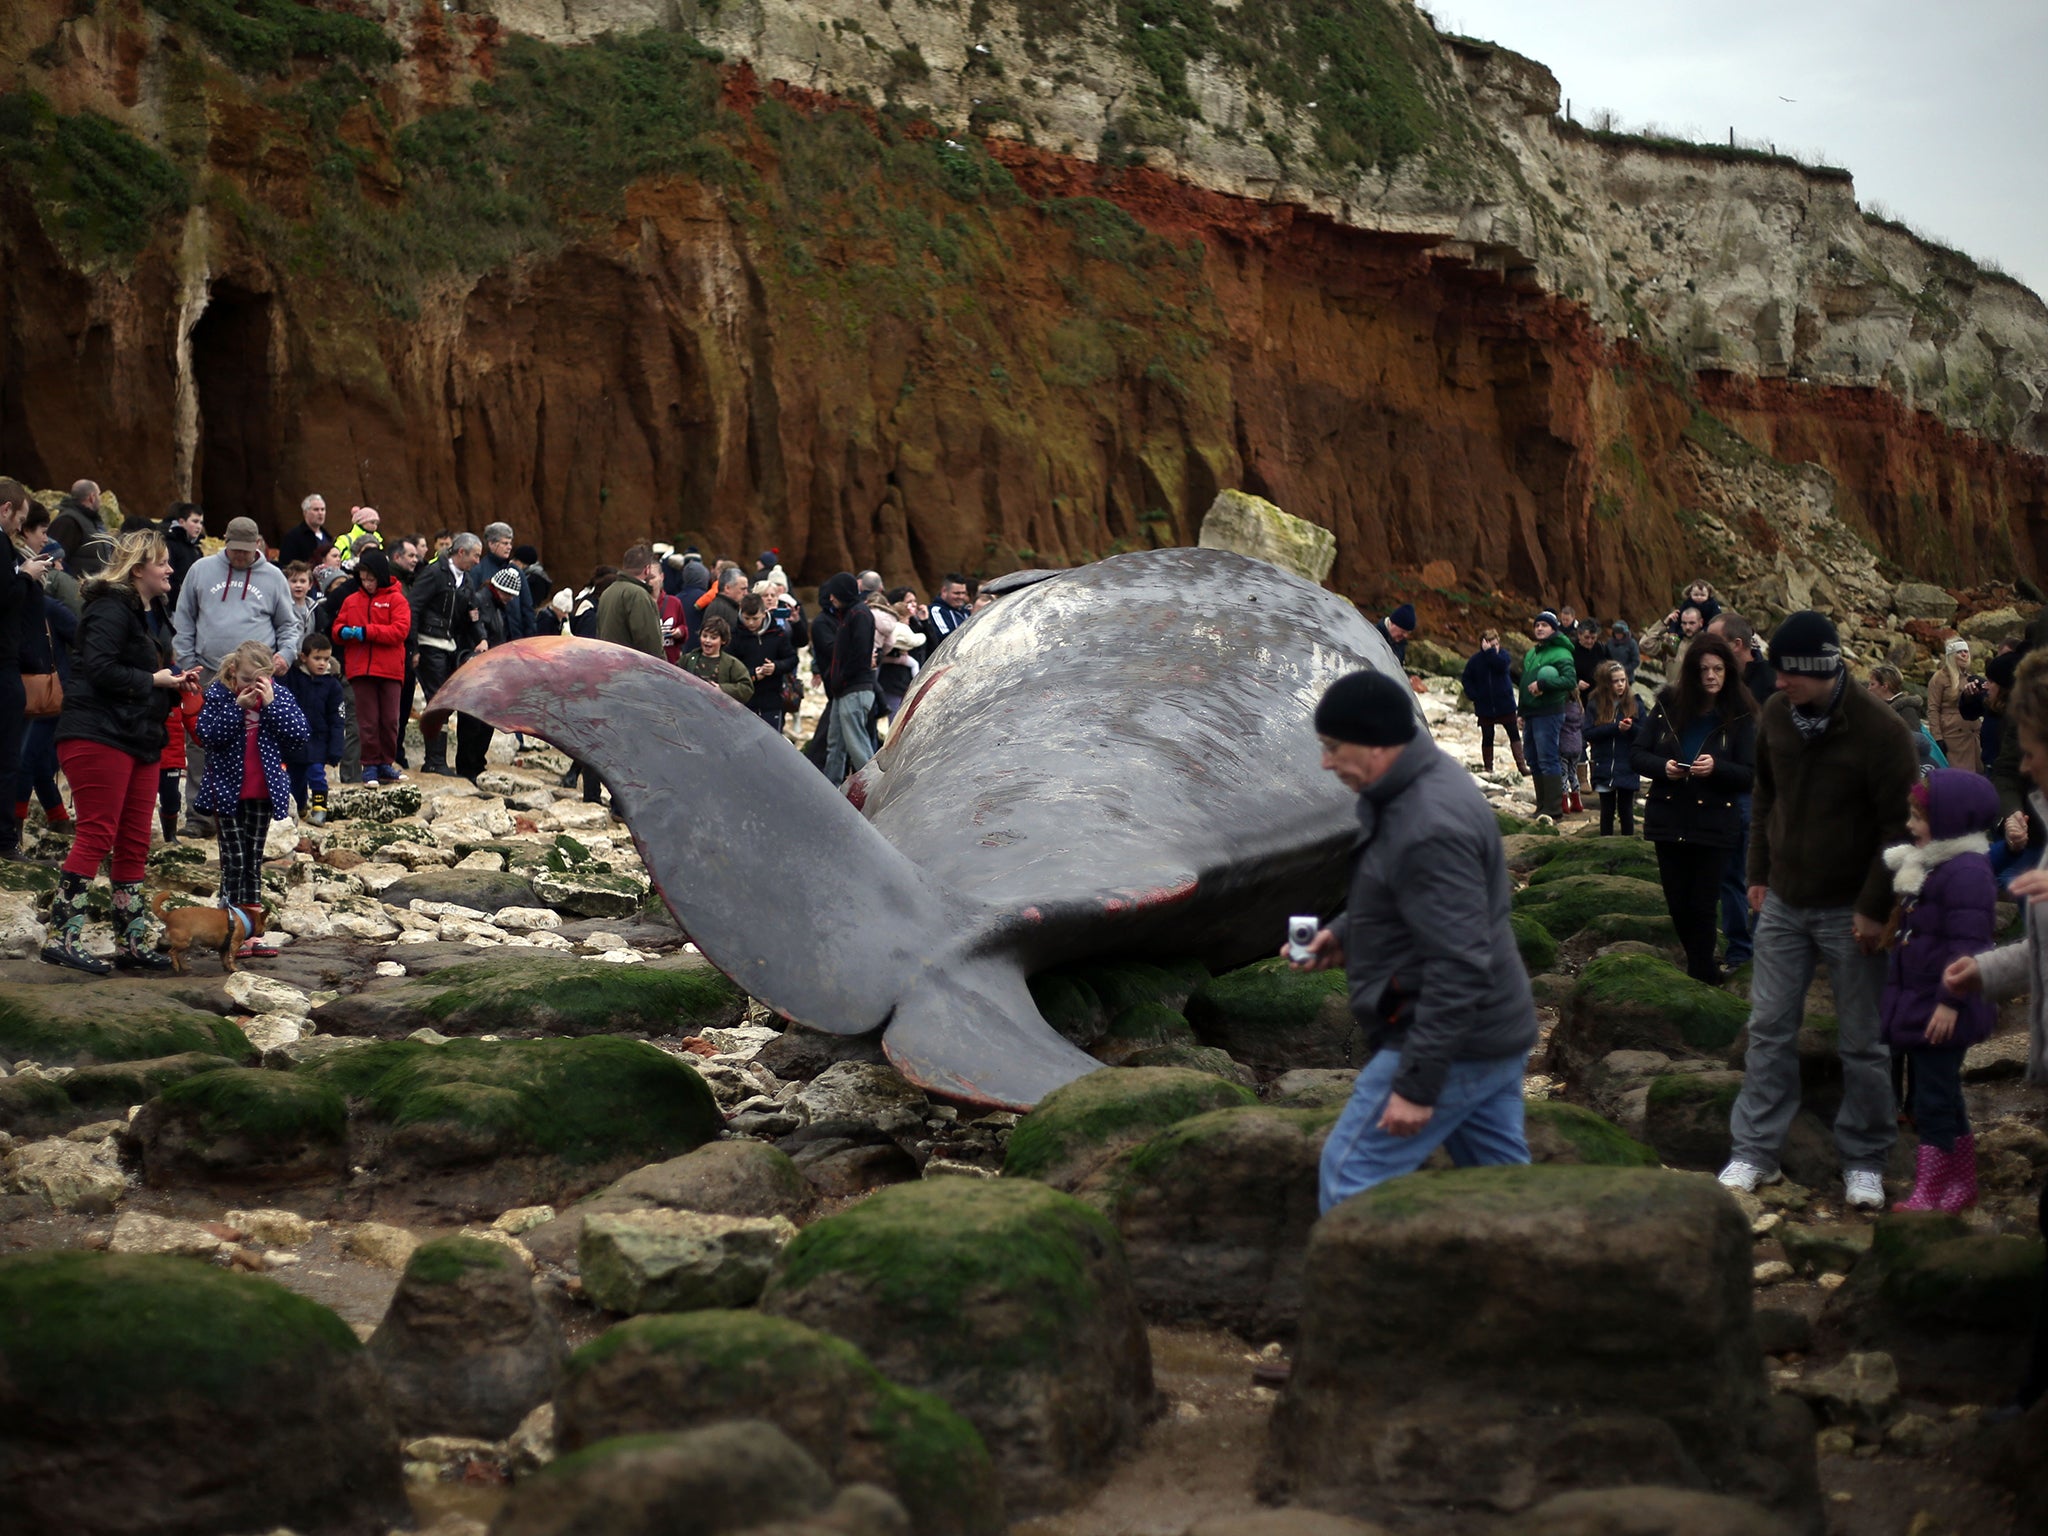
x,y
349,632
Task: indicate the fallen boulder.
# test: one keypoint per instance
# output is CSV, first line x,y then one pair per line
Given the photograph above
x,y
677,1261
1253,526
1007,1300
543,993
1640,1002
464,1346
1273,1018
61,1025
1077,1128
243,1125
720,1178
141,1393
681,1372
1629,1353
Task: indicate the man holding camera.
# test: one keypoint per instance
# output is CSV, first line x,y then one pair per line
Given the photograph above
x,y
1435,979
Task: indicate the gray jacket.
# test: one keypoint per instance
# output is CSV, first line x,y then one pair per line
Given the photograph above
x,y
219,608
1431,959
2023,967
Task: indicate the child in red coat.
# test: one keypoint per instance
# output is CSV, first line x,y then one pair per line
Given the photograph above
x,y
370,628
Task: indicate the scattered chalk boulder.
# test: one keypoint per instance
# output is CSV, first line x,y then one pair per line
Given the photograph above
x,y
724,1478
1080,1126
206,1399
677,1261
680,1372
521,991
1629,1356
68,1177
1253,526
464,1346
721,1178
1008,1300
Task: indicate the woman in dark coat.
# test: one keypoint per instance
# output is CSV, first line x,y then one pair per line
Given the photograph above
x,y
1698,752
110,739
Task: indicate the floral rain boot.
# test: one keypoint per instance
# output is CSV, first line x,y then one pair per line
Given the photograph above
x,y
67,923
131,931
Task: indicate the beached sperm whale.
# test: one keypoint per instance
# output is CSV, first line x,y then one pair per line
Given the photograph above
x,y
1116,760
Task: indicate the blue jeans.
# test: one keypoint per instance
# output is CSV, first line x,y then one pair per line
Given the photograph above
x,y
1735,918
1790,941
1544,732
38,773
1477,1119
848,746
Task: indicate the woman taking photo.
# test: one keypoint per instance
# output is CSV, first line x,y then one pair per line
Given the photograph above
x,y
1698,752
1948,690
110,738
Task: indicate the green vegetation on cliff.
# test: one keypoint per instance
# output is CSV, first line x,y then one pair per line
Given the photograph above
x,y
98,189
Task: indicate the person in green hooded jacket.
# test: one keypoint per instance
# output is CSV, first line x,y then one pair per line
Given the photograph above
x,y
1550,680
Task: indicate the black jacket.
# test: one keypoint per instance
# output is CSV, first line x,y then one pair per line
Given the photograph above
x,y
304,543
853,653
19,596
184,555
441,599
1691,810
47,632
518,614
769,645
111,698
86,545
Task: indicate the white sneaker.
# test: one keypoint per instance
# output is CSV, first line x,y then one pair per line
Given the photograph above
x,y
1865,1189
1746,1176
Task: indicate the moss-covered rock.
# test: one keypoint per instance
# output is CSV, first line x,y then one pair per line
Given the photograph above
x,y
75,1026
721,1178
1195,1058
677,1261
1534,943
243,1125
1150,1024
39,1106
1517,826
524,990
465,1347
484,889
1641,1003
1070,1006
1659,933
1566,905
140,1390
1274,1018
1568,1133
1569,857
1686,1117
1009,1301
679,1372
1076,1128
1215,1214
585,1103
1631,1301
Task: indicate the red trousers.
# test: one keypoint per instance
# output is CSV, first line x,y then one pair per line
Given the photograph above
x,y
377,722
113,798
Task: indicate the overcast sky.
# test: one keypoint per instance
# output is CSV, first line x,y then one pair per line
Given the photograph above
x,y
1941,110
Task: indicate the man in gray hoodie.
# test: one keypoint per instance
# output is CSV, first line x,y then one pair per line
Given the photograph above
x,y
1436,981
228,598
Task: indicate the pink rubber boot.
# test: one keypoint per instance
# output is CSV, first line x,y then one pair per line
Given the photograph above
x,y
1959,1186
1930,1179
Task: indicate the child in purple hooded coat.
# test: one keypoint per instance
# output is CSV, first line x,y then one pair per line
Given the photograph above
x,y
1946,894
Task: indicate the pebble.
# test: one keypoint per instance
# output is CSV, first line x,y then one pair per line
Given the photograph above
x,y
523,1219
274,1229
375,1243
1771,1272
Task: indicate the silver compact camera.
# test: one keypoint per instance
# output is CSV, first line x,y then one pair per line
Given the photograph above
x,y
1301,938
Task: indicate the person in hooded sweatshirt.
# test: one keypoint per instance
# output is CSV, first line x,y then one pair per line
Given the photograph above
x,y
1946,907
694,583
228,599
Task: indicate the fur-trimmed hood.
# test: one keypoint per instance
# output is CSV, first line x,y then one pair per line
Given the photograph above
x,y
1912,863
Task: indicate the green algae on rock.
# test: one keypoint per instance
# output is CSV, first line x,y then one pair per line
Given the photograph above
x,y
77,1026
547,994
1274,1018
1006,1299
1568,1133
244,1124
681,1371
1074,1129
1533,941
1566,905
213,1400
582,1101
1641,1003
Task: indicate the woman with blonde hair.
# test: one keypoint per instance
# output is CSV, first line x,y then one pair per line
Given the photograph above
x,y
1951,684
111,736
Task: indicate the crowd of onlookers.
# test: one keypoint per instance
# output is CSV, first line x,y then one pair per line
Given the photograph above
x,y
181,693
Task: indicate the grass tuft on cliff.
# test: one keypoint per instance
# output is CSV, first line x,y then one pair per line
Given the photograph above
x,y
267,35
99,191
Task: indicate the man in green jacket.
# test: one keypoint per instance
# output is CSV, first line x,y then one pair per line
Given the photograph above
x,y
1550,680
626,614
1834,766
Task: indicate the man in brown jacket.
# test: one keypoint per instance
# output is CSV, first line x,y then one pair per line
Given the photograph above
x,y
1833,769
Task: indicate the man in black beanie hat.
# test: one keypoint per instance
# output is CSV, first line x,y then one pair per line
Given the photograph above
x,y
1834,766
1395,629
1436,982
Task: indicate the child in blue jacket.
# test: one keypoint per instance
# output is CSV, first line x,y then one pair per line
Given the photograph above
x,y
315,684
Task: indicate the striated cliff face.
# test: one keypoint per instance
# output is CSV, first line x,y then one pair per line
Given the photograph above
x,y
935,286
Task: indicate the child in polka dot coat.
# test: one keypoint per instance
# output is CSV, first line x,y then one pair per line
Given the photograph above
x,y
244,723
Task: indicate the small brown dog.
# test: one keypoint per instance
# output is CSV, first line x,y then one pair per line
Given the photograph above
x,y
212,928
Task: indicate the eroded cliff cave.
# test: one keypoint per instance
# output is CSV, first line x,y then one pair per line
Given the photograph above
x,y
630,286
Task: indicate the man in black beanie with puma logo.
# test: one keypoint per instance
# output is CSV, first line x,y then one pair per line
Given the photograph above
x,y
1436,981
1833,768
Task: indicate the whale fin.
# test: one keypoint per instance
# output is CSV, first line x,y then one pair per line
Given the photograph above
x,y
971,1031
779,881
